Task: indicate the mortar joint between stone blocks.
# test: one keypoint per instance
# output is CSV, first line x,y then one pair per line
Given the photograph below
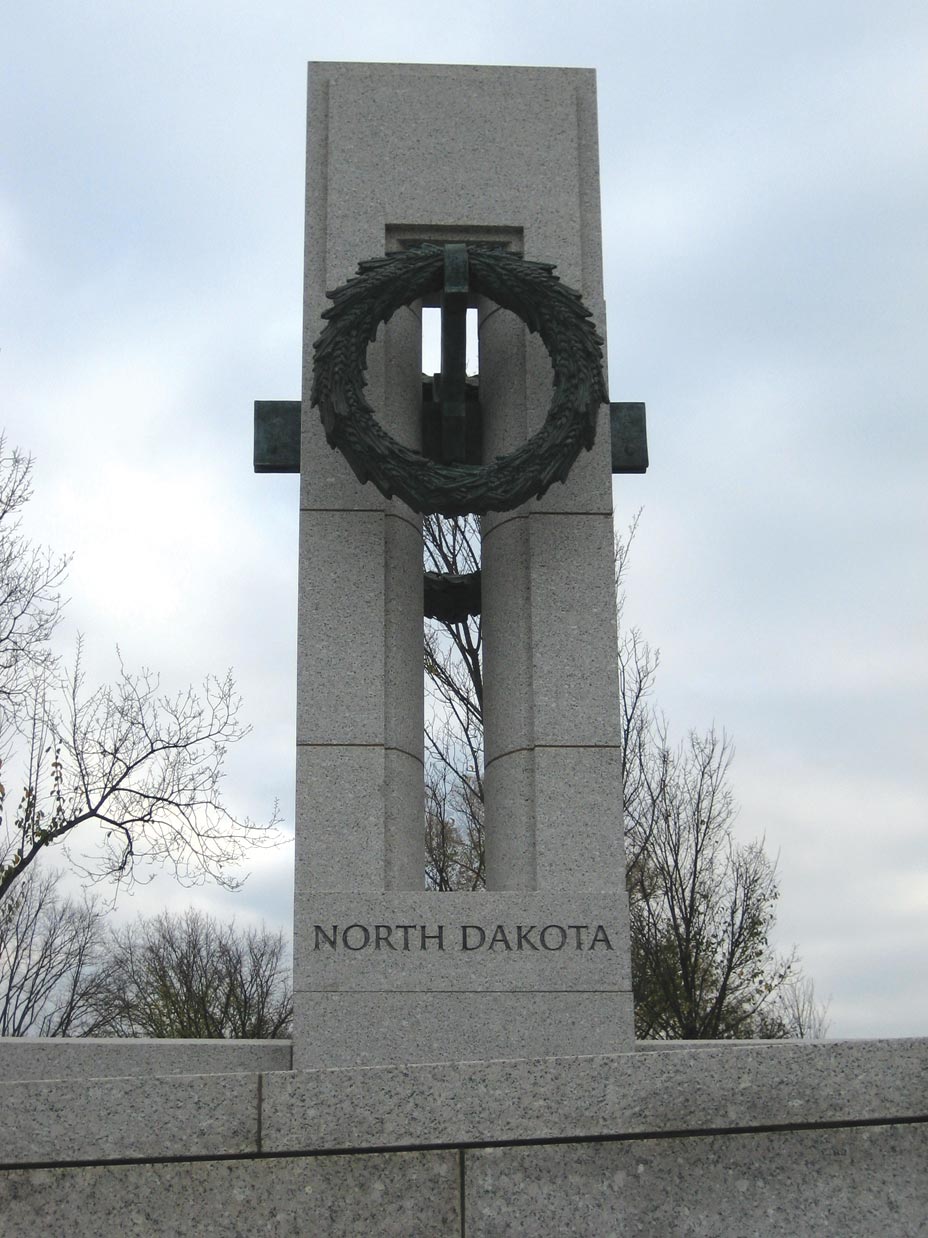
x,y
553,748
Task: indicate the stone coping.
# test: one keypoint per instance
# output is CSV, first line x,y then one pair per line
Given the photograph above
x,y
37,1057
711,1090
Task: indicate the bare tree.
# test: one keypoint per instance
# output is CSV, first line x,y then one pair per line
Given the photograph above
x,y
454,851
30,599
143,766
454,720
191,975
63,974
50,948
701,905
799,1010
453,658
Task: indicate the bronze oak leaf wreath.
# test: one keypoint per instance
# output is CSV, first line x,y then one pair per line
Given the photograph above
x,y
530,290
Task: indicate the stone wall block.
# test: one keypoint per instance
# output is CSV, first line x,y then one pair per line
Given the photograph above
x,y
509,796
392,1028
401,635
507,626
404,821
853,1182
110,1119
694,1092
579,844
415,1194
340,642
59,1057
340,841
575,670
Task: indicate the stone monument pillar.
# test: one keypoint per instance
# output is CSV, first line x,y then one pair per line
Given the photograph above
x,y
538,964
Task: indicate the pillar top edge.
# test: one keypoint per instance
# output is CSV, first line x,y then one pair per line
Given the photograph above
x,y
387,68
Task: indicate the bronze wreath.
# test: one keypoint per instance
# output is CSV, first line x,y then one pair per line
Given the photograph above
x,y
539,299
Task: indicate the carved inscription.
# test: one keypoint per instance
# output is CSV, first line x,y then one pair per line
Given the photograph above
x,y
462,937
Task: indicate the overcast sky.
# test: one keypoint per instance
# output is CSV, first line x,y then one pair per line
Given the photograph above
x,y
764,210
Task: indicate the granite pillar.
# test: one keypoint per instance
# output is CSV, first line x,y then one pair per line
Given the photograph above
x,y
398,153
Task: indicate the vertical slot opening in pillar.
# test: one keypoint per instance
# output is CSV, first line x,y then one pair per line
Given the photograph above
x,y
453,678
431,341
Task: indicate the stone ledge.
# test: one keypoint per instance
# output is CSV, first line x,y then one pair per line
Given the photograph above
x,y
60,1121
706,1091
28,1057
730,1087
409,1193
852,1181
855,1182
354,1031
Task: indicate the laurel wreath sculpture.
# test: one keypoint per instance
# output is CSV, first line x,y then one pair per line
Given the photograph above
x,y
531,291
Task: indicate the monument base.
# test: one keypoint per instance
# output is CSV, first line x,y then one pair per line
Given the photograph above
x,y
736,1138
398,977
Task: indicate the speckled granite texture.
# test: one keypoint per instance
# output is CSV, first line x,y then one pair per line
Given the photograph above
x,y
411,1195
852,1182
36,1057
553,782
867,1182
62,1120
648,1143
631,1094
725,1087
